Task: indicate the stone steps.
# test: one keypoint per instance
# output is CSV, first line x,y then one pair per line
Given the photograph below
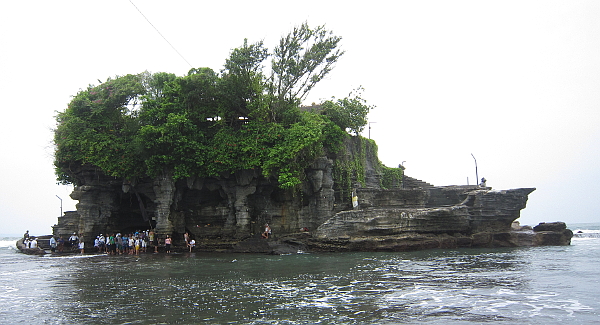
x,y
411,183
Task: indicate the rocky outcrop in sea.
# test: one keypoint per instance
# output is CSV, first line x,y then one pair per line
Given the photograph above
x,y
345,203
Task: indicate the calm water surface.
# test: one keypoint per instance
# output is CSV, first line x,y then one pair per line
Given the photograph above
x,y
550,285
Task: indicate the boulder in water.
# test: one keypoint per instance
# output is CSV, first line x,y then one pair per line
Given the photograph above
x,y
550,226
552,233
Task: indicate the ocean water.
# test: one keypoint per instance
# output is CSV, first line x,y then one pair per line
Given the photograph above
x,y
538,285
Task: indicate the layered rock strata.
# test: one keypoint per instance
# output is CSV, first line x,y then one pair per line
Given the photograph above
x,y
482,219
229,212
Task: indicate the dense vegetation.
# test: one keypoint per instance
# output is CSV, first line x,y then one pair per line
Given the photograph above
x,y
207,123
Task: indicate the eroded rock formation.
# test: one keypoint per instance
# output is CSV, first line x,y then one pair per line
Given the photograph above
x,y
216,211
228,212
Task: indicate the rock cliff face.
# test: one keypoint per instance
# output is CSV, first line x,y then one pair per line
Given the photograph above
x,y
219,211
473,217
229,212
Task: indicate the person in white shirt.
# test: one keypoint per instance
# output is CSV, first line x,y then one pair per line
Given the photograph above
x,y
33,244
191,244
81,245
102,243
73,240
53,244
131,244
267,231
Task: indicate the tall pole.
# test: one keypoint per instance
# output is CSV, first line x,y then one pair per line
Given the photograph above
x,y
370,129
476,175
402,165
61,213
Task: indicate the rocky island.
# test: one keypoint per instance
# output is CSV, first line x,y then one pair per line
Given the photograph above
x,y
228,213
220,155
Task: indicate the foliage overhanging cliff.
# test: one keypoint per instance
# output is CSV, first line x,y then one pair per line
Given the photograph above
x,y
206,123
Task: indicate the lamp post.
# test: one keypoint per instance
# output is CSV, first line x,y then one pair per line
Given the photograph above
x,y
61,213
402,166
370,129
476,174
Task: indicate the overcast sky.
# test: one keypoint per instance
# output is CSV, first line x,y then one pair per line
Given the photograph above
x,y
515,83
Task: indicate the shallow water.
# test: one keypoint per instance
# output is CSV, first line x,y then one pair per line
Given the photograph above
x,y
550,285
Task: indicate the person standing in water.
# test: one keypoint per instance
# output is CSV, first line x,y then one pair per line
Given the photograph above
x,y
168,244
191,244
53,244
81,245
151,236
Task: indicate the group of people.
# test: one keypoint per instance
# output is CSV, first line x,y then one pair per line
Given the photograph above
x,y
76,242
30,241
56,243
131,244
136,242
190,243
112,244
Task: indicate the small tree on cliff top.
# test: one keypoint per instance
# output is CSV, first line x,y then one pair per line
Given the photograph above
x,y
302,59
349,113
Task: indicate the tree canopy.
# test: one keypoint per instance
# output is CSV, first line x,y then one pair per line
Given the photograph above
x,y
207,123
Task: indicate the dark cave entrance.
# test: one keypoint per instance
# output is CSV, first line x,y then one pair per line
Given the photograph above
x,y
132,215
204,209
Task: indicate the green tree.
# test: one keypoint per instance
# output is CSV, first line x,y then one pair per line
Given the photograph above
x,y
148,124
302,59
242,82
98,128
176,124
349,113
155,83
247,59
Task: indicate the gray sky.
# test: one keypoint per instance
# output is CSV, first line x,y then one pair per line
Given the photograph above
x,y
515,83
